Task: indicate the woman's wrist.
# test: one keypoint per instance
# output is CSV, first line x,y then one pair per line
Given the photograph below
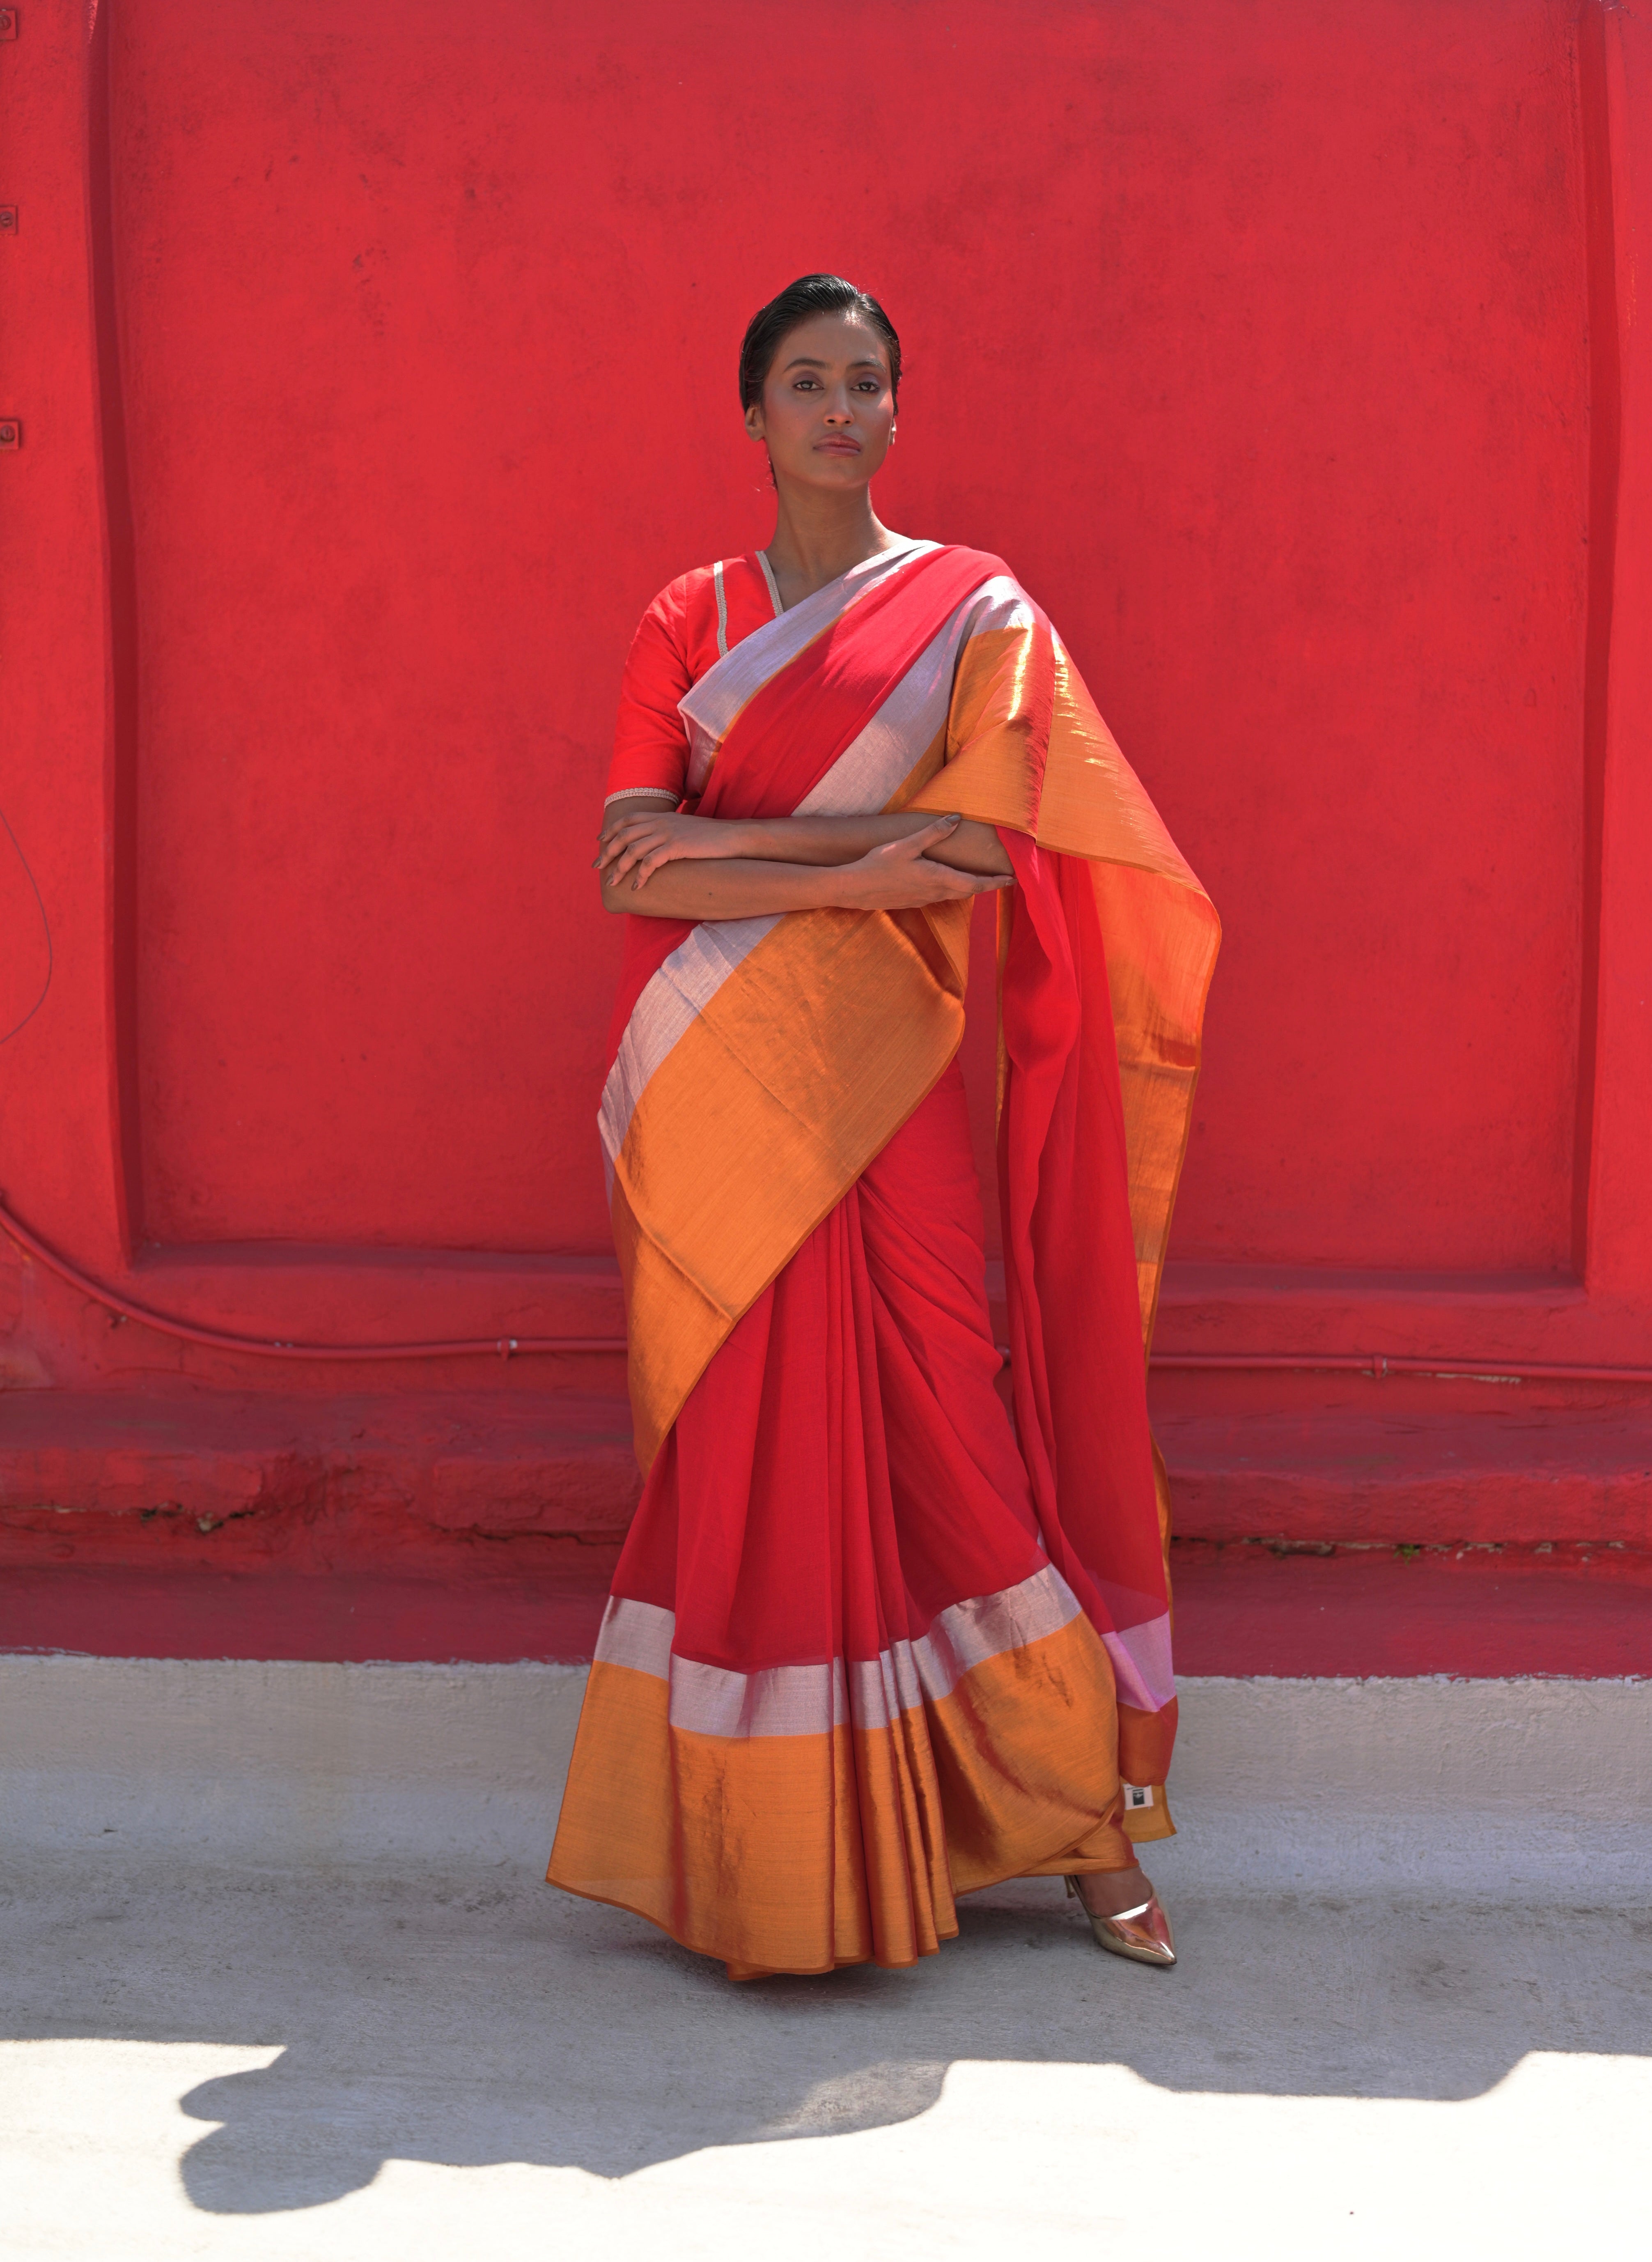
x,y
854,887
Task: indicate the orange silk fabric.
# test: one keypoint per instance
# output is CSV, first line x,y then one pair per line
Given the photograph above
x,y
829,1033
1162,932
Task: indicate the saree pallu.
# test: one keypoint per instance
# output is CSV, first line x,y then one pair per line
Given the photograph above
x,y
869,1646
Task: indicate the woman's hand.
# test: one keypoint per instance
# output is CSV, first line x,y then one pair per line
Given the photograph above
x,y
899,876
640,842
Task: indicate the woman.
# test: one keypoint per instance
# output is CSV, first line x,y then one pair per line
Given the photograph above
x,y
870,1645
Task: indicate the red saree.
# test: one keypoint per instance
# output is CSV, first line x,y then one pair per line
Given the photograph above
x,y
869,1646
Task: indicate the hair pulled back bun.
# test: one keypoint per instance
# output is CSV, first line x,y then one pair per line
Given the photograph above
x,y
809,295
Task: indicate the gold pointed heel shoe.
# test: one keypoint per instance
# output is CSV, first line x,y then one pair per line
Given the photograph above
x,y
1142,1934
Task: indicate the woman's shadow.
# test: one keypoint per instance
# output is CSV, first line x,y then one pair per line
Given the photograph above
x,y
520,2026
702,2065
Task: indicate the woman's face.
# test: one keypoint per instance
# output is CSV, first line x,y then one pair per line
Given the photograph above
x,y
827,412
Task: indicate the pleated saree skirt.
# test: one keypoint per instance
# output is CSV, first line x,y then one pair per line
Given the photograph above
x,y
838,1681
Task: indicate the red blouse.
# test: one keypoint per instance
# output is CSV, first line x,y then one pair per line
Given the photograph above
x,y
686,630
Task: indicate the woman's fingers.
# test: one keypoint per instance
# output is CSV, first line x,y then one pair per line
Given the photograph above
x,y
952,883
940,883
927,882
640,820
623,853
931,835
658,837
613,844
911,846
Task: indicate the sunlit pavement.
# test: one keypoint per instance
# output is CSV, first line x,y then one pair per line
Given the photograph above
x,y
260,2023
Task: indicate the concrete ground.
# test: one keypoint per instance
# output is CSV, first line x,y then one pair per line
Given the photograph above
x,y
278,1979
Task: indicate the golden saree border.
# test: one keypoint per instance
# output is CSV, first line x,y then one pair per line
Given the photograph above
x,y
811,1816
760,1071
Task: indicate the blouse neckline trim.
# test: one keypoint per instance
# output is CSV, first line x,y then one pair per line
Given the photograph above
x,y
902,546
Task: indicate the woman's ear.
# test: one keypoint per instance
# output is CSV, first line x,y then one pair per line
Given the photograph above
x,y
754,421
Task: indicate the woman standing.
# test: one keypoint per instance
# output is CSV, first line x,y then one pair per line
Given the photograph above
x,y
870,1644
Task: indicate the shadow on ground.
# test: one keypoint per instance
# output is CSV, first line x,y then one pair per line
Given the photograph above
x,y
482,2020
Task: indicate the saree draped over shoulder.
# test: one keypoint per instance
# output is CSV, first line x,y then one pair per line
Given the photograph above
x,y
872,1644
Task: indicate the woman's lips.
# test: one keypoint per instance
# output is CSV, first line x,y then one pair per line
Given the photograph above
x,y
838,447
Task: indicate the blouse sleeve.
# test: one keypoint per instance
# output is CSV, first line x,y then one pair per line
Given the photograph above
x,y
650,746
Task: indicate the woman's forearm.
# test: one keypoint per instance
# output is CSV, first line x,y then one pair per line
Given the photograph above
x,y
729,888
973,846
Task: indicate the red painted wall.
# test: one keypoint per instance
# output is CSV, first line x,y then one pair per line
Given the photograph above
x,y
375,366
1264,360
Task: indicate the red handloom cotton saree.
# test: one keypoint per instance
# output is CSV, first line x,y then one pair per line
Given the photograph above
x,y
869,1645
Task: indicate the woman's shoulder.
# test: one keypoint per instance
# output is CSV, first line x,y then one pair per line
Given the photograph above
x,y
677,596
694,592
696,618
998,593
1001,598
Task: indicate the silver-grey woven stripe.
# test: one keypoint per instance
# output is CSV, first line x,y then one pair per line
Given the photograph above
x,y
672,1000
1142,1665
796,1700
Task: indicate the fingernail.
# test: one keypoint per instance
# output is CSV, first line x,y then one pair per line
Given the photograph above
x,y
954,819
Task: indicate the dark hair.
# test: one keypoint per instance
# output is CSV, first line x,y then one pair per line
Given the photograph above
x,y
810,294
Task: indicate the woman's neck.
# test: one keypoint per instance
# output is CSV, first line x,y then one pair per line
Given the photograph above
x,y
818,536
